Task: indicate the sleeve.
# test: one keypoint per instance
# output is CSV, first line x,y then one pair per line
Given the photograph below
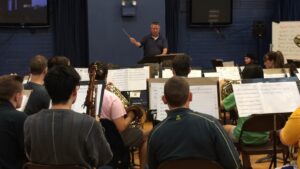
x,y
152,162
165,43
99,151
288,134
229,102
117,109
143,41
27,137
226,151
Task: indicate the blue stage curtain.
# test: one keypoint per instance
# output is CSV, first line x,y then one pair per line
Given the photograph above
x,y
70,30
287,10
172,14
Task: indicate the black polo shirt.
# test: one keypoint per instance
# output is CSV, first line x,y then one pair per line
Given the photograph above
x,y
187,134
12,154
153,47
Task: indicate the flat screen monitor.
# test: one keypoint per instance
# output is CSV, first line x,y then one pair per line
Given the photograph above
x,y
23,13
210,12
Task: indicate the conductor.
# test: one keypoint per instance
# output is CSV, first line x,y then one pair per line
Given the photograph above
x,y
154,43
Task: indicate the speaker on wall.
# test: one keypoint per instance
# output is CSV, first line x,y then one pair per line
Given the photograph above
x,y
258,29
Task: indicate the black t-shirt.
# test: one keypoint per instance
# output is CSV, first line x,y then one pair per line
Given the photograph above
x,y
12,154
38,100
153,47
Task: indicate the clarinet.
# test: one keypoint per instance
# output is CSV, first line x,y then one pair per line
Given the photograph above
x,y
90,97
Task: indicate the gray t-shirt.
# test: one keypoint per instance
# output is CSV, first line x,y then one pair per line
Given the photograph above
x,y
59,137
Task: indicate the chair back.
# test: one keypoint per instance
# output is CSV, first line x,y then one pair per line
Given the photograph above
x,y
190,164
121,157
30,165
263,123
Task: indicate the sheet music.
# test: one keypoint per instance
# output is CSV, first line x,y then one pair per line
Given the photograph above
x,y
78,106
229,73
137,78
84,73
129,79
26,95
276,75
98,97
298,75
211,74
195,73
167,73
263,98
205,99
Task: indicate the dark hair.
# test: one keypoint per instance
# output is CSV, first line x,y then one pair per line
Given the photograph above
x,y
38,64
60,81
155,23
10,85
276,57
252,71
181,64
101,71
176,91
252,57
58,60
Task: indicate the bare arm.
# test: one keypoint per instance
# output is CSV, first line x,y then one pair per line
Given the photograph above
x,y
123,122
165,51
135,42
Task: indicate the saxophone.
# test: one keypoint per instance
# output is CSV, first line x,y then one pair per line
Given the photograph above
x,y
90,97
138,110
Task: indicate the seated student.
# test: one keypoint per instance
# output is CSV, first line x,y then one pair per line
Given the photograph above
x,y
39,98
290,134
253,138
181,65
249,59
273,60
12,154
203,137
113,109
60,136
58,61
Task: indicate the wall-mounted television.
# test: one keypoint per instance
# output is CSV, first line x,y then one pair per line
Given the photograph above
x,y
210,12
24,13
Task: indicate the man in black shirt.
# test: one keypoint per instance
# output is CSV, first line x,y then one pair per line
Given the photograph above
x,y
60,136
154,43
12,154
39,98
187,134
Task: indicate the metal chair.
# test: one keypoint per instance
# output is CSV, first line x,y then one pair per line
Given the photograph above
x,y
190,164
30,165
262,123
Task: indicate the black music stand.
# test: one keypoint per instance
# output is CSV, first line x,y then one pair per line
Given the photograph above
x,y
158,59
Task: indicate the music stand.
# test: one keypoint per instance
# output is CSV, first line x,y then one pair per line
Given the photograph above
x,y
158,59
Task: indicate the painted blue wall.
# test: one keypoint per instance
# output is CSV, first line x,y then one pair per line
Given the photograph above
x,y
18,46
107,41
231,42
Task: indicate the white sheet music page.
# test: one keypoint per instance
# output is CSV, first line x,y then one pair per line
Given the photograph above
x,y
211,74
205,99
195,73
156,91
279,97
119,78
263,98
84,73
247,99
167,73
276,75
26,95
78,106
98,97
137,78
229,73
